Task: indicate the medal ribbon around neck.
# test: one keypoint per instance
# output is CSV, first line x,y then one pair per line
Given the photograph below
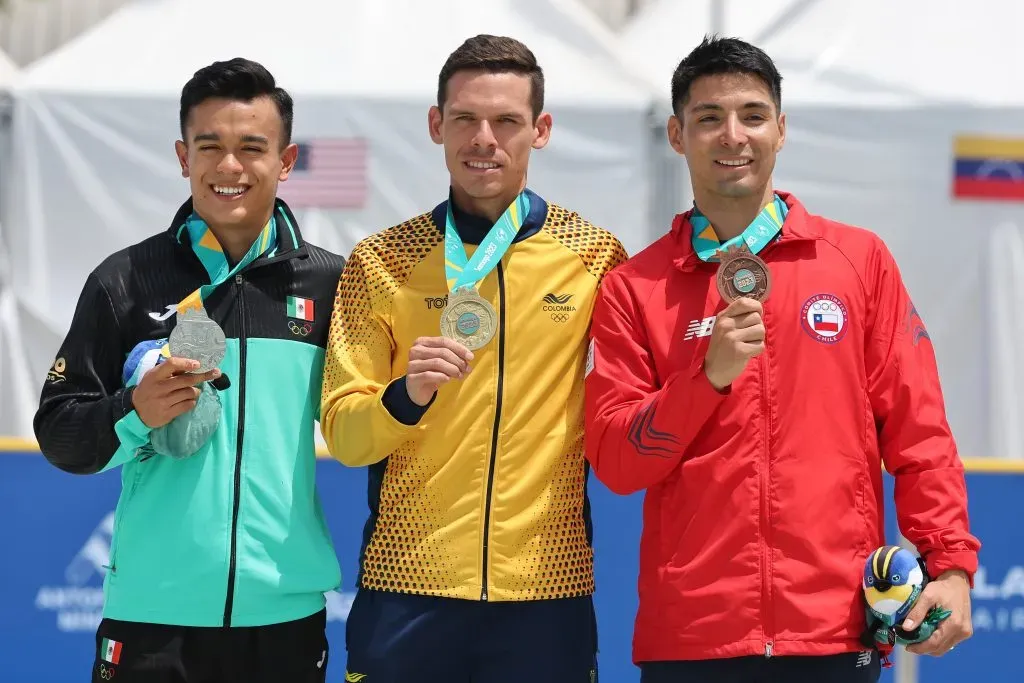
x,y
463,272
211,255
756,236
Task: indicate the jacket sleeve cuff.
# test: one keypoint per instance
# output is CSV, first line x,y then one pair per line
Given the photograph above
x,y
133,434
398,404
940,562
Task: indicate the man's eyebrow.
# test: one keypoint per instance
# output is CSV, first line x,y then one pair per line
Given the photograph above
x,y
460,112
711,106
213,137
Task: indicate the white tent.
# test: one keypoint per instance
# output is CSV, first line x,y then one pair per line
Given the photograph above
x,y
8,70
97,119
876,94
14,380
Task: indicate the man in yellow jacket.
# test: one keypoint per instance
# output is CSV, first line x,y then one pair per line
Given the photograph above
x,y
455,372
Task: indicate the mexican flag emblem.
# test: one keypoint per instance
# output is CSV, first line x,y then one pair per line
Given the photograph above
x,y
300,309
110,650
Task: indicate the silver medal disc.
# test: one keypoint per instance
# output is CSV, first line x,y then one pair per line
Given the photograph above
x,y
198,338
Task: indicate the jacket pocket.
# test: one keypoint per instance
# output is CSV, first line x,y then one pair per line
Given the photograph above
x,y
122,510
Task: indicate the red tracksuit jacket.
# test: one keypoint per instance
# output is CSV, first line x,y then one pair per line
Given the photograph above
x,y
764,501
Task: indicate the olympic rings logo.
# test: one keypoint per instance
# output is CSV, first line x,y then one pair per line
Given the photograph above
x,y
560,317
301,330
824,306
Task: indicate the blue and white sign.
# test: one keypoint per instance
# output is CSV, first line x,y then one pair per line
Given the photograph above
x,y
56,540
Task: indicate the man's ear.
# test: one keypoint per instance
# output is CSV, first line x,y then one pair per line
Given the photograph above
x,y
434,119
181,151
542,131
674,129
288,158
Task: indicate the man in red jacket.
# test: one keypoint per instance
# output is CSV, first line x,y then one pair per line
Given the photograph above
x,y
756,395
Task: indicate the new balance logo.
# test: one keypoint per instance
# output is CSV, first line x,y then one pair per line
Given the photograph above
x,y
559,299
864,658
700,328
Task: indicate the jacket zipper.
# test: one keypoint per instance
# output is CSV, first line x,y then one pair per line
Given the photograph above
x,y
230,599
766,547
497,421
116,534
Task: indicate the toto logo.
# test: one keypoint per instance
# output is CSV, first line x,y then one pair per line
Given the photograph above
x,y
436,302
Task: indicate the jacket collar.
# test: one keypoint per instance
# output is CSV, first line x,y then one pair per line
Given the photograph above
x,y
472,229
289,240
797,227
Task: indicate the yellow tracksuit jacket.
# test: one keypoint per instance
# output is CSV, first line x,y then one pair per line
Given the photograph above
x,y
483,497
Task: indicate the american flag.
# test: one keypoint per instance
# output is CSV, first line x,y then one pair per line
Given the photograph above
x,y
330,174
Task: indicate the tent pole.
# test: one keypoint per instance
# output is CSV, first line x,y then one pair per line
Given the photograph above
x,y
717,16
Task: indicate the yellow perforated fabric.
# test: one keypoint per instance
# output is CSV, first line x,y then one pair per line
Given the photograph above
x,y
405,554
434,513
599,249
379,265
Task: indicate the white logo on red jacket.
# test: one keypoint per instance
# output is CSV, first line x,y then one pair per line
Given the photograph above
x,y
700,328
825,318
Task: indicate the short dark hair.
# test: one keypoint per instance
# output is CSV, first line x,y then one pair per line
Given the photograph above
x,y
717,55
496,54
237,79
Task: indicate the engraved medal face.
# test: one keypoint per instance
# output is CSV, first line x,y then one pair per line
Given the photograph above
x,y
742,273
198,338
469,319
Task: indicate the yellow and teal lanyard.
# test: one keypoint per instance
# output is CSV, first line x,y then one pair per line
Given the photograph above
x,y
463,272
211,255
756,236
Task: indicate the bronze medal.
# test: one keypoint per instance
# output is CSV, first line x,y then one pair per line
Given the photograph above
x,y
741,273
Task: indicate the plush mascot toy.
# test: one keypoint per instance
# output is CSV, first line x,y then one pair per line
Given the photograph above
x,y
893,581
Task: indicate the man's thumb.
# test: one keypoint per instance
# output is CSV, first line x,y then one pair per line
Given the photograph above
x,y
919,612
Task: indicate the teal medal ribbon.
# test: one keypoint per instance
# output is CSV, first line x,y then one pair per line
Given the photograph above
x,y
195,336
210,253
467,317
756,236
462,272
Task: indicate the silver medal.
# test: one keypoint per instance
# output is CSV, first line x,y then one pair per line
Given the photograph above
x,y
198,338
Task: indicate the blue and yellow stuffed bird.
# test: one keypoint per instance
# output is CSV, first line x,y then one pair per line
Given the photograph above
x,y
893,581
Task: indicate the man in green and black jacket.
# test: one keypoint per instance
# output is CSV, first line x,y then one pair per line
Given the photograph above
x,y
220,555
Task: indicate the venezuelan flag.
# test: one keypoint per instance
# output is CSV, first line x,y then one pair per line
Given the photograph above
x,y
988,167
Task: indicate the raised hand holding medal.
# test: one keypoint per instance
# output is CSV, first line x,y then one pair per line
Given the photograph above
x,y
744,282
197,337
468,321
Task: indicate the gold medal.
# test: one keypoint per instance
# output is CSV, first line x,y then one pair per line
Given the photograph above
x,y
469,319
741,273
